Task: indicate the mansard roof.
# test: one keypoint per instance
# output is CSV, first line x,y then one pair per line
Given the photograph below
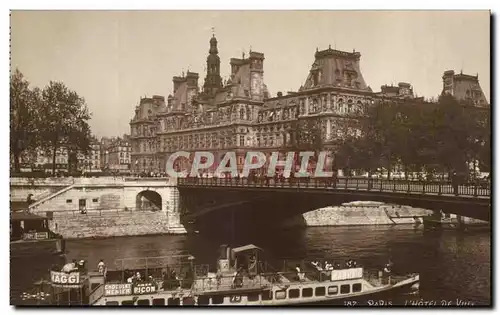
x,y
336,68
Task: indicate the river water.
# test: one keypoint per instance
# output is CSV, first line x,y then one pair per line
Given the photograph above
x,y
453,266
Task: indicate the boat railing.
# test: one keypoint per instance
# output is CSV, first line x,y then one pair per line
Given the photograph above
x,y
151,262
230,282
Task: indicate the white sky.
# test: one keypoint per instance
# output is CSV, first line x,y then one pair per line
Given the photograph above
x,y
112,58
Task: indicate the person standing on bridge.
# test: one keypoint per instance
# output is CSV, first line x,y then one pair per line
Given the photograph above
x,y
454,182
334,178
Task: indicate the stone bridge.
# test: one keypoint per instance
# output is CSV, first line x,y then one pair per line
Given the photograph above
x,y
83,202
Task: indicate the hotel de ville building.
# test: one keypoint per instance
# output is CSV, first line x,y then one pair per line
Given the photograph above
x,y
239,114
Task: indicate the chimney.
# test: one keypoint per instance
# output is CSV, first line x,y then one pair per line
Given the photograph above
x,y
177,82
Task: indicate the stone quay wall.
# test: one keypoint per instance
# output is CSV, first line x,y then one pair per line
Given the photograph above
x,y
359,215
112,223
106,207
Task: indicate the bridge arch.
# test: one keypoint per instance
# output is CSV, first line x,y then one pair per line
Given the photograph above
x,y
148,200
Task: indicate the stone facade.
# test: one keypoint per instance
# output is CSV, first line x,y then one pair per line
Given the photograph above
x,y
239,115
90,206
464,87
113,223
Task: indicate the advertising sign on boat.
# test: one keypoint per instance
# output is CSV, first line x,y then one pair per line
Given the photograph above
x,y
144,288
114,289
345,274
64,279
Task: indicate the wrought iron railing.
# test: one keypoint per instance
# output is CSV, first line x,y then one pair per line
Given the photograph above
x,y
473,189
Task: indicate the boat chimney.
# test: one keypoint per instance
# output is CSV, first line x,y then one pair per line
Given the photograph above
x,y
223,263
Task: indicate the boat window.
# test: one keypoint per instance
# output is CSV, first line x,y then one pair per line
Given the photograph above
x,y
307,292
203,300
280,295
69,201
217,299
128,302
356,287
320,291
293,293
112,303
174,301
188,301
95,200
158,301
267,295
345,288
332,290
252,297
143,302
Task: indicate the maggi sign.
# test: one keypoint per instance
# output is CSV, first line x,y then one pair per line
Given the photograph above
x,y
65,279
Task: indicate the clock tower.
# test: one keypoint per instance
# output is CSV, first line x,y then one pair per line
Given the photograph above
x,y
256,76
213,80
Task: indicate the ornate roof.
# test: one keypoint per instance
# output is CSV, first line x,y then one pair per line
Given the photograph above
x,y
336,68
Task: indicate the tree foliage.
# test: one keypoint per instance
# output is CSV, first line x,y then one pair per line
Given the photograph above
x,y
419,136
53,118
24,118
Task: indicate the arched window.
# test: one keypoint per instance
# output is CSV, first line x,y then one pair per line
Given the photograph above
x,y
242,113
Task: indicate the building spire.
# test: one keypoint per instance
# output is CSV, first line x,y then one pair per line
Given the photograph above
x,y
213,31
213,80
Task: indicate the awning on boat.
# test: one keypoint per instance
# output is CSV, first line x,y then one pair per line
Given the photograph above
x,y
246,248
25,216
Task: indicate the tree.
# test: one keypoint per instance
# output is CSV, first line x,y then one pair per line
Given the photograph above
x,y
65,120
24,117
305,135
422,137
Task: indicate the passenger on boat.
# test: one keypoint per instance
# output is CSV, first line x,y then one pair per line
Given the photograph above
x,y
101,266
328,266
351,264
252,267
70,267
81,266
238,278
387,268
137,278
300,275
316,265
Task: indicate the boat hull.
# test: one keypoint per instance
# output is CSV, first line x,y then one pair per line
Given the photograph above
x,y
392,296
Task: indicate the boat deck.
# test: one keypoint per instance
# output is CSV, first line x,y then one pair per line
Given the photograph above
x,y
226,283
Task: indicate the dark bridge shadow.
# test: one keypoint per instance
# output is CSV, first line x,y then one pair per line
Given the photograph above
x,y
148,200
241,207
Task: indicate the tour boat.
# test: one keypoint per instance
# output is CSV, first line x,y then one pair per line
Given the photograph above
x,y
441,221
240,278
30,236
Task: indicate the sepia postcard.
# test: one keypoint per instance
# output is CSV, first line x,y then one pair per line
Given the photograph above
x,y
250,158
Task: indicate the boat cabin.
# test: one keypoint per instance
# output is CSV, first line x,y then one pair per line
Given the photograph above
x,y
28,226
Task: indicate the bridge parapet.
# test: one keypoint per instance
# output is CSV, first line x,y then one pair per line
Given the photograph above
x,y
150,181
346,183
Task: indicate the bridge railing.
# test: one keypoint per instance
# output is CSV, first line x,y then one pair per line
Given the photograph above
x,y
345,183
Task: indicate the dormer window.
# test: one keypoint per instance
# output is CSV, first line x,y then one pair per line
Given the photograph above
x,y
315,78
